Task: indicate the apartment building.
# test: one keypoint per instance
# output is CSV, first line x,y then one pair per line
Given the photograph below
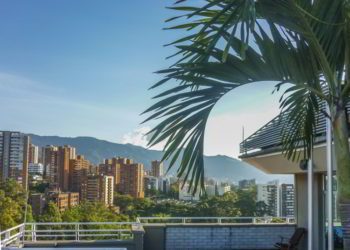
x,y
36,169
246,184
14,156
99,188
56,163
287,200
33,154
63,200
78,172
131,179
157,168
111,167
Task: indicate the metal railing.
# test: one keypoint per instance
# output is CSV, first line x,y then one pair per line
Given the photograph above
x,y
73,231
217,220
11,235
80,231
270,135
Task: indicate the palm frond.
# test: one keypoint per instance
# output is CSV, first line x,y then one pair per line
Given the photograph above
x,y
230,43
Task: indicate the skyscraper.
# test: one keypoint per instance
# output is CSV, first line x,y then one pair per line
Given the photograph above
x,y
287,200
107,195
33,154
246,184
50,163
131,179
99,188
14,156
270,194
111,167
78,171
63,157
56,164
157,168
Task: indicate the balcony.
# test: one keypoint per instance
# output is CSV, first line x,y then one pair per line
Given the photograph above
x,y
152,233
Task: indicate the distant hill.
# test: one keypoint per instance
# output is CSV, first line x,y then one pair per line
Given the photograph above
x,y
219,167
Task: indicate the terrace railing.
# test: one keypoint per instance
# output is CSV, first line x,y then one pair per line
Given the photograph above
x,y
270,135
119,231
217,220
70,231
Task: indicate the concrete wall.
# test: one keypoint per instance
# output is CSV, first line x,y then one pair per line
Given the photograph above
x,y
209,236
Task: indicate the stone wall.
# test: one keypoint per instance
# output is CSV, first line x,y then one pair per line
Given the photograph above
x,y
225,236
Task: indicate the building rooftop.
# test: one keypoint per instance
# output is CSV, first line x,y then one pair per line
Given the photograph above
x,y
151,233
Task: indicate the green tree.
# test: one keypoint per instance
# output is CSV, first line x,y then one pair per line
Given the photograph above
x,y
51,213
302,45
246,202
13,205
261,209
92,212
215,206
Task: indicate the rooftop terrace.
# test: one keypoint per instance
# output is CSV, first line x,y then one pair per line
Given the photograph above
x,y
152,233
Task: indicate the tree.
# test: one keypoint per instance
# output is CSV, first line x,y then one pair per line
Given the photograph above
x,y
92,212
216,206
261,209
246,202
302,45
51,214
13,205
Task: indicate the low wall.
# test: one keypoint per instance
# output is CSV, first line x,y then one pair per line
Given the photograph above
x,y
214,236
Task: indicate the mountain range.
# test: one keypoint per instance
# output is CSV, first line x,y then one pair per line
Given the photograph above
x,y
219,167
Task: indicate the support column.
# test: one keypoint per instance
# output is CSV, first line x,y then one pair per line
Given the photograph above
x,y
329,181
301,209
310,202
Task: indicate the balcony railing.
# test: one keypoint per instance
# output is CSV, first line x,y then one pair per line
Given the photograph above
x,y
216,220
70,231
270,135
120,231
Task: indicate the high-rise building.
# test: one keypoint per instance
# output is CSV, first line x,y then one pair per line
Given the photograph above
x,y
150,183
63,157
222,188
107,195
164,184
14,156
33,154
157,168
91,191
50,163
36,169
56,164
111,167
131,179
271,195
287,200
246,184
78,172
99,188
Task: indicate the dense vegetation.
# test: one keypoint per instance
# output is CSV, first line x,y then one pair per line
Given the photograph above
x,y
13,205
234,203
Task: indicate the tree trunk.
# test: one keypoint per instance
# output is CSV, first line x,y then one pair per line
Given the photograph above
x,y
342,155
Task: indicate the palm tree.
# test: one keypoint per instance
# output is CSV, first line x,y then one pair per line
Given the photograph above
x,y
302,44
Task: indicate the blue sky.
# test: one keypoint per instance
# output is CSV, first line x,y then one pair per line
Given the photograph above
x,y
83,67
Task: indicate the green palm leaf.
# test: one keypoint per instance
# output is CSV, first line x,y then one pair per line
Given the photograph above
x,y
236,42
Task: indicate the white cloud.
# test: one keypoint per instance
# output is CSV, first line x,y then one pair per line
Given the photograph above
x,y
139,137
